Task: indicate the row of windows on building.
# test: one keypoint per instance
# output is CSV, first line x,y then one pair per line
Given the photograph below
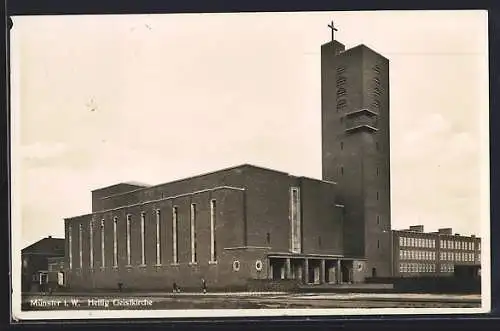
x,y
458,256
447,267
443,256
417,242
159,223
453,244
431,243
416,255
417,267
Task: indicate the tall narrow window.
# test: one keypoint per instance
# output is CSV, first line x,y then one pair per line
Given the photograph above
x,y
341,170
115,244
378,219
158,237
143,243
103,255
128,238
91,244
295,225
377,195
193,233
80,248
175,253
213,220
341,145
70,246
378,243
378,171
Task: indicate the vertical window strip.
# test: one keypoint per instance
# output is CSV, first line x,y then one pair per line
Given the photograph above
x,y
158,237
213,254
193,233
70,248
91,244
80,248
295,220
103,255
174,235
128,239
143,243
115,243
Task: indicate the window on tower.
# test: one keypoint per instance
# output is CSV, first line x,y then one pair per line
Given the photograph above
x,y
341,145
341,104
341,91
341,80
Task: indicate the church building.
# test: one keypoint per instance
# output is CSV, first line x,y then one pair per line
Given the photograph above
x,y
250,223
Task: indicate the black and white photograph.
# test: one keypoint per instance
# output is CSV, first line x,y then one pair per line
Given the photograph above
x,y
250,164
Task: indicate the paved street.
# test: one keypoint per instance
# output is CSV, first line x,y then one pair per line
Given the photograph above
x,y
244,301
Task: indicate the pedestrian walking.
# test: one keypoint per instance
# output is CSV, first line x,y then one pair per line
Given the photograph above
x,y
204,285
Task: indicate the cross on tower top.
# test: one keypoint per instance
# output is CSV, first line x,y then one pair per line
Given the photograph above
x,y
333,28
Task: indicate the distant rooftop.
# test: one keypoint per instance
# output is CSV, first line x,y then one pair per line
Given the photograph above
x,y
441,231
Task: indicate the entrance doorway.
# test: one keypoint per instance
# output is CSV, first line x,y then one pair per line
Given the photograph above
x,y
314,272
346,271
277,269
374,272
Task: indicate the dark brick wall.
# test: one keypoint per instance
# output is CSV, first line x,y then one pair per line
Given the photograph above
x,y
99,194
321,219
188,277
230,177
229,233
352,158
267,208
244,218
377,155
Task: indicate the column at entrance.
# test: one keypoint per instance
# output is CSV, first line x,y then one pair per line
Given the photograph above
x,y
306,271
322,273
338,273
288,269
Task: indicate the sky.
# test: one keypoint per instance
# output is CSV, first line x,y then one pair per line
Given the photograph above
x,y
99,100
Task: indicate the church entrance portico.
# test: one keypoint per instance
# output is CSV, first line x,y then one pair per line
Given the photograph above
x,y
313,270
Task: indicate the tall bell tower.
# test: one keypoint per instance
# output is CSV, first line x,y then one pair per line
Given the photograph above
x,y
356,147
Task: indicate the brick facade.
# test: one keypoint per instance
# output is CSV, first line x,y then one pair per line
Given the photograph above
x,y
252,221
355,145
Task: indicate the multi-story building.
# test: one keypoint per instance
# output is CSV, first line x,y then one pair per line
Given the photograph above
x,y
419,253
247,222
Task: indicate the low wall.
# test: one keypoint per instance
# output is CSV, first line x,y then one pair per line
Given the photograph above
x,y
268,285
444,285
